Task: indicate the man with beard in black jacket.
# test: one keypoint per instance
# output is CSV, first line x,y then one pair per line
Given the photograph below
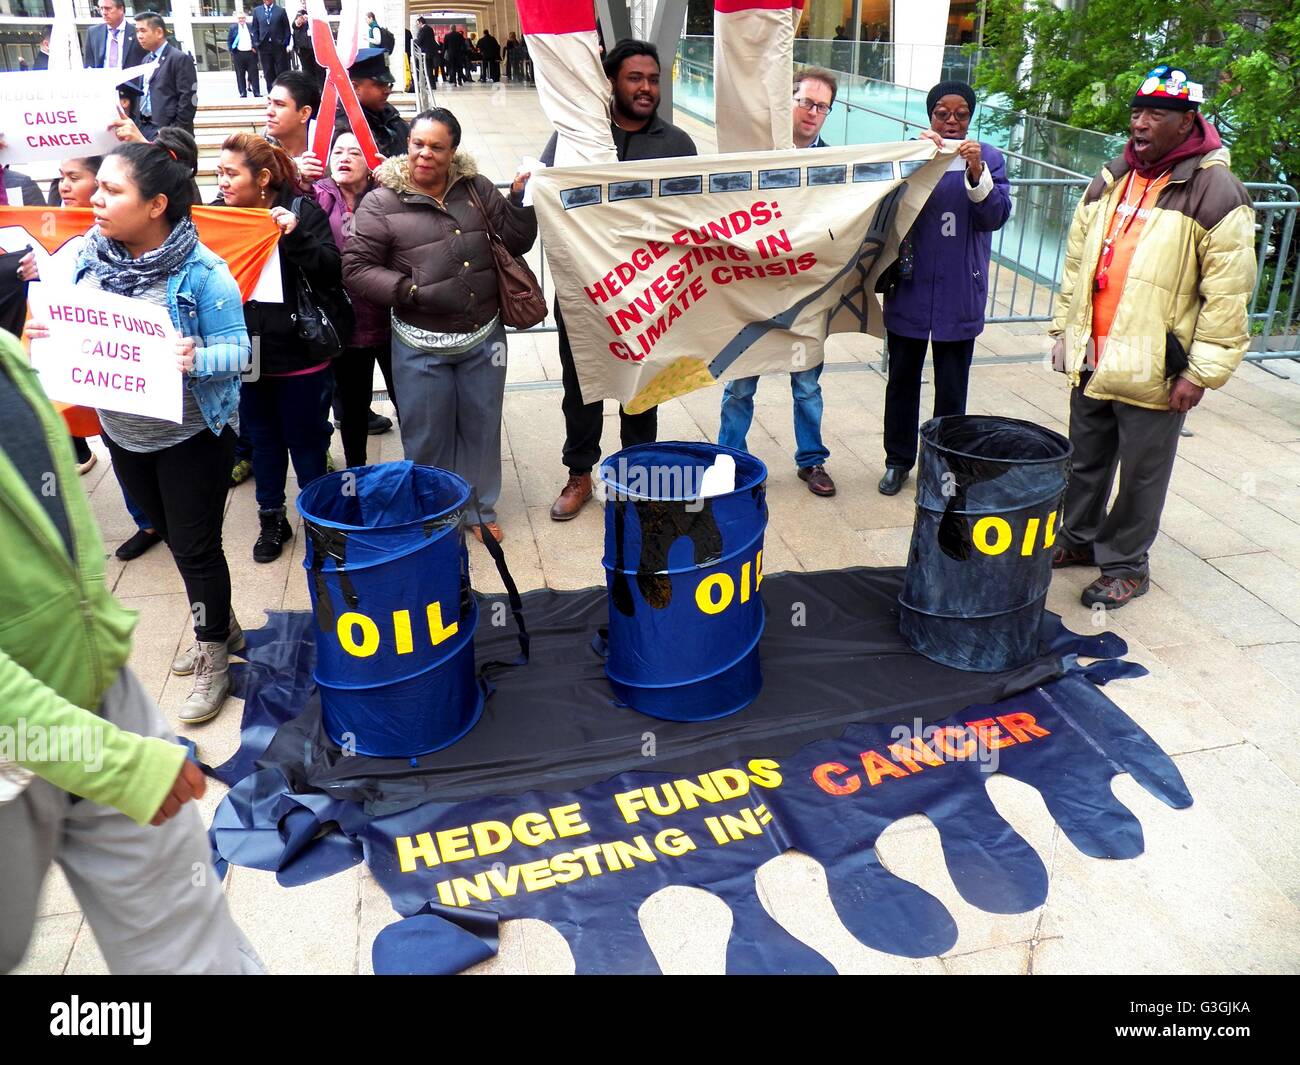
x,y
639,133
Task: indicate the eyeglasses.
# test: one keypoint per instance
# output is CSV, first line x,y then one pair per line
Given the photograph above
x,y
959,116
812,105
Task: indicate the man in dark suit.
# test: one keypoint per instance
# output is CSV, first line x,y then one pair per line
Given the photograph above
x,y
171,82
272,37
112,43
244,54
43,53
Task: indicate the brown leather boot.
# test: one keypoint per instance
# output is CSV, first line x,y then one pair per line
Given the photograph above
x,y
576,491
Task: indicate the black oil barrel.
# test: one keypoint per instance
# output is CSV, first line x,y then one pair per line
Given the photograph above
x,y
988,505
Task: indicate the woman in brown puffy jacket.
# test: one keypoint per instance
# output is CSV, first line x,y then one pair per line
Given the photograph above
x,y
420,247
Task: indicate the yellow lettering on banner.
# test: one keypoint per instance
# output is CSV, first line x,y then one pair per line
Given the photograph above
x,y
453,843
674,842
423,848
491,837
588,856
507,883
369,634
478,889
402,631
693,791
744,583
444,893
715,830
731,783
628,803
1031,534
746,824
567,868
637,848
568,820
763,772
758,571
436,631
704,593
536,875
671,804
999,527
1049,537
532,830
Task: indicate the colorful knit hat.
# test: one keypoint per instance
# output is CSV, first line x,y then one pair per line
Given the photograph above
x,y
1167,87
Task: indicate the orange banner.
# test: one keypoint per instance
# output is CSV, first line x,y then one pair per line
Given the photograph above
x,y
244,238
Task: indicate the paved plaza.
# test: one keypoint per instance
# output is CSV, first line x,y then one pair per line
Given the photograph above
x,y
1218,887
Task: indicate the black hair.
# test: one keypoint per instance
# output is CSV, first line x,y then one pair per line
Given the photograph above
x,y
440,114
152,19
302,88
624,50
115,3
166,166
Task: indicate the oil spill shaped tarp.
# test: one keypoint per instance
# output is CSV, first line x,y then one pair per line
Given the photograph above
x,y
584,856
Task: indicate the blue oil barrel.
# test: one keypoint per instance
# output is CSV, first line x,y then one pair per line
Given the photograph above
x,y
988,505
683,572
388,573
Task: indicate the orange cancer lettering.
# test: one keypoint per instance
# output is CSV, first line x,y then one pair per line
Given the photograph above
x,y
1022,726
822,778
909,755
943,742
990,735
878,767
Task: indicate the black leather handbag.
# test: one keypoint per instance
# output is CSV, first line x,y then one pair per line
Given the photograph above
x,y
323,325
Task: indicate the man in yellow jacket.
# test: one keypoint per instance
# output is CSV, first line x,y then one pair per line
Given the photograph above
x,y
1152,311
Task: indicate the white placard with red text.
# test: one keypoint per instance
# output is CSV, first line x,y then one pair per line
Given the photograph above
x,y
50,114
106,351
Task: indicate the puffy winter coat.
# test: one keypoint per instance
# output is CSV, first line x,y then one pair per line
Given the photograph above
x,y
403,237
1192,274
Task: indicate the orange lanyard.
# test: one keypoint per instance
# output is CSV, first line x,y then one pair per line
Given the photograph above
x,y
1121,228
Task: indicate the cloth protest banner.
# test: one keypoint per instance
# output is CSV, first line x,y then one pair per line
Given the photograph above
x,y
47,115
753,51
571,84
676,273
246,239
107,351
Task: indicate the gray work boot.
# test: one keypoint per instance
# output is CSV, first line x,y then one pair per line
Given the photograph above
x,y
183,663
211,683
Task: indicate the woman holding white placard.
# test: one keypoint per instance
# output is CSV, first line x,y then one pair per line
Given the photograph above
x,y
145,246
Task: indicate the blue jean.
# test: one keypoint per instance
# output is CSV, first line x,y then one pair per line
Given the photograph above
x,y
286,417
738,415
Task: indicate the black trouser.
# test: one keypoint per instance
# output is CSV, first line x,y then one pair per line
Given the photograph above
x,y
354,375
313,70
431,65
451,69
246,73
1142,443
275,61
903,393
493,70
583,421
182,491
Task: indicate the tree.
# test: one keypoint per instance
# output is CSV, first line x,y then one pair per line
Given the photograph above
x,y
1081,64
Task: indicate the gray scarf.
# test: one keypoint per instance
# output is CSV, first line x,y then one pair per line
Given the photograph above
x,y
111,263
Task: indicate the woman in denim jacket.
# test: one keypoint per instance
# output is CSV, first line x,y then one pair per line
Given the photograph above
x,y
145,246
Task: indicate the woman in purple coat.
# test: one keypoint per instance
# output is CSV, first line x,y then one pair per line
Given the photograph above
x,y
938,288
339,196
